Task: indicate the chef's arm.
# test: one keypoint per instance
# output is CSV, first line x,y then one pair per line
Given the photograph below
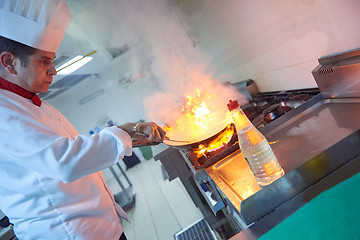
x,y
67,159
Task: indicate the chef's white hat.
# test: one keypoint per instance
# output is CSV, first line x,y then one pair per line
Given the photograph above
x,y
36,23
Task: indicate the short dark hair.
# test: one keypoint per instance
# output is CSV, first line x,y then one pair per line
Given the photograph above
x,y
18,49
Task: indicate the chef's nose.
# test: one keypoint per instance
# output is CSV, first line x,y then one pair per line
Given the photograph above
x,y
52,70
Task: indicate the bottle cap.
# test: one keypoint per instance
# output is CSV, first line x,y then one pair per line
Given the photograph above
x,y
232,105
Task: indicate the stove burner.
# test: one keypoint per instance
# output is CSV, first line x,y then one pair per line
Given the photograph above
x,y
215,150
208,160
266,107
275,111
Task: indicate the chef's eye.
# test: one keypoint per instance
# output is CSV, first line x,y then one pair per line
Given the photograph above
x,y
45,62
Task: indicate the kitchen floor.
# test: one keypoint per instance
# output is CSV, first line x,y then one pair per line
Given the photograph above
x,y
161,208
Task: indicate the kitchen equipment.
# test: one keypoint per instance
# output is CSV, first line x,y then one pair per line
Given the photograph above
x,y
126,197
176,141
204,187
194,144
247,88
337,75
208,151
275,111
202,153
145,142
330,167
217,129
317,143
317,218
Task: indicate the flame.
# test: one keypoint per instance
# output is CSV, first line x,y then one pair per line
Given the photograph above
x,y
223,139
198,117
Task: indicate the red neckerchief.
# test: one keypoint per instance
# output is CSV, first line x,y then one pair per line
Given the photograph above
x,y
4,84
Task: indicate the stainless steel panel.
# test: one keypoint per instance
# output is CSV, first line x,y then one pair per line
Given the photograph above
x,y
339,75
300,179
299,138
288,208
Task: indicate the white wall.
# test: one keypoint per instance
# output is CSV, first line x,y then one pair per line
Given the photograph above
x,y
274,42
117,103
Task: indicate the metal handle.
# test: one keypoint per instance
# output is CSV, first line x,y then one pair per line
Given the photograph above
x,y
142,143
146,142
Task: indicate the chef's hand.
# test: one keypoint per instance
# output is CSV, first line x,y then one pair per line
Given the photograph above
x,y
145,130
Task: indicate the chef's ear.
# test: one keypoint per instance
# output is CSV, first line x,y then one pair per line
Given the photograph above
x,y
7,61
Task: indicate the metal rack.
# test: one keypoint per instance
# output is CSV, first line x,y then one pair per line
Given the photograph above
x,y
125,198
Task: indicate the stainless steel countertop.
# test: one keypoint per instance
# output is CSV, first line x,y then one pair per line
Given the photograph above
x,y
302,138
312,131
274,218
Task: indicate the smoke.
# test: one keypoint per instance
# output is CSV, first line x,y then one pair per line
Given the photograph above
x,y
167,48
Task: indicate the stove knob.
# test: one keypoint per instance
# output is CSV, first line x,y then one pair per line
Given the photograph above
x,y
204,187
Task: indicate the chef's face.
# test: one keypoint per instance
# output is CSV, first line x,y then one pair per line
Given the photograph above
x,y
37,76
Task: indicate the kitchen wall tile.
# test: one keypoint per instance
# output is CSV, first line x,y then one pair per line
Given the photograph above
x,y
208,31
302,50
182,4
222,13
227,69
194,8
227,58
325,37
263,63
255,19
194,11
265,36
346,16
294,77
240,5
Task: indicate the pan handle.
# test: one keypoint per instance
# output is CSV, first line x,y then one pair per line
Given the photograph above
x,y
145,142
142,143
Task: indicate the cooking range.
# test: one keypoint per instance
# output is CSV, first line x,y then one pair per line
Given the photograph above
x,y
266,107
313,132
262,109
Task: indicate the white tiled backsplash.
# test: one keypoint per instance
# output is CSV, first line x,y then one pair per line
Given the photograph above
x,y
274,42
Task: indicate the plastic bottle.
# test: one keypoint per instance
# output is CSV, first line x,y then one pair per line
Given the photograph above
x,y
255,148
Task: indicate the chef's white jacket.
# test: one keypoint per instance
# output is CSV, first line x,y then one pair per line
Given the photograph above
x,y
51,187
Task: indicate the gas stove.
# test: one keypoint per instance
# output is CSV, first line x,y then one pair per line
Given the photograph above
x,y
315,136
263,108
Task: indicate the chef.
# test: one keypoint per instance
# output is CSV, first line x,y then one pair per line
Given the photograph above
x,y
52,186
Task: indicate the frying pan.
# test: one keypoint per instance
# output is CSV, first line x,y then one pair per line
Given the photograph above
x,y
193,144
200,144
